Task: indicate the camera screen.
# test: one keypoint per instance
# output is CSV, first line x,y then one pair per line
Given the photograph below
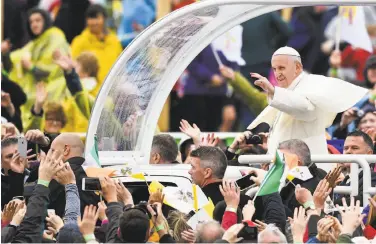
x,y
92,184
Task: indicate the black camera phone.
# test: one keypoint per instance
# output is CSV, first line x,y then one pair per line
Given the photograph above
x,y
245,181
91,184
254,140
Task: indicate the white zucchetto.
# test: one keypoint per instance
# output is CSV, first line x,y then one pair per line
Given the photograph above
x,y
286,51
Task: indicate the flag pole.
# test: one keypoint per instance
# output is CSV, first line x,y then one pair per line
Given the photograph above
x,y
216,56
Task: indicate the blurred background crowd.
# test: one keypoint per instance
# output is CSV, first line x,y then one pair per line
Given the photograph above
x,y
57,53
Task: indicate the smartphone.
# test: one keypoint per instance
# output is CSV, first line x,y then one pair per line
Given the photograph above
x,y
51,212
22,146
91,184
22,198
35,148
245,181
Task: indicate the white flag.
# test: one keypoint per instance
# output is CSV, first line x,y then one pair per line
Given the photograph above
x,y
199,218
182,198
301,173
353,28
231,44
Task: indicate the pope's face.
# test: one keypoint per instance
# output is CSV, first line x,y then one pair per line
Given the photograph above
x,y
285,70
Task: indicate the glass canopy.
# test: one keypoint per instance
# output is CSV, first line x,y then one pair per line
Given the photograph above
x,y
128,106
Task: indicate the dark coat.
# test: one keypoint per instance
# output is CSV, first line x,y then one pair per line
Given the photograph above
x,y
113,212
71,17
14,185
18,97
288,192
58,191
32,226
212,191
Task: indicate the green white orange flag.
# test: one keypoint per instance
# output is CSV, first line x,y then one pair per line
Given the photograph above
x,y
274,177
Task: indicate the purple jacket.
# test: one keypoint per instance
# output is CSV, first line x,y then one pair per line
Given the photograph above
x,y
200,71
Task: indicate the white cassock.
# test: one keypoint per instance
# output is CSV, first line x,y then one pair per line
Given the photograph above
x,y
305,109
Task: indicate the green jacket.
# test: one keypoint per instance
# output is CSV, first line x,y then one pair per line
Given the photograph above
x,y
251,96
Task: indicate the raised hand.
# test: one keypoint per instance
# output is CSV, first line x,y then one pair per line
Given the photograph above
x,y
50,165
260,174
18,164
260,225
87,224
302,195
37,137
209,141
54,221
108,189
227,72
8,130
63,61
298,224
249,210
102,211
324,227
264,84
157,196
348,117
191,131
9,211
230,193
157,216
40,97
351,217
332,176
66,175
19,216
189,236
240,140
123,194
321,193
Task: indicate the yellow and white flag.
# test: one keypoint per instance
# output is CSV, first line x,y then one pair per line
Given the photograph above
x,y
350,28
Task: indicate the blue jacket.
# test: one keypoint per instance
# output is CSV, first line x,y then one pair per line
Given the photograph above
x,y
200,71
139,11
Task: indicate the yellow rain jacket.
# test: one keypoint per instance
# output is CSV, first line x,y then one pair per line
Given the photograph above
x,y
106,51
41,50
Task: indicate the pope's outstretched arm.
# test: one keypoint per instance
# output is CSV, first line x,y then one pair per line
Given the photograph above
x,y
286,101
294,104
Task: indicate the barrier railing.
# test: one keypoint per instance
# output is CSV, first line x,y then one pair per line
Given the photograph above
x,y
355,160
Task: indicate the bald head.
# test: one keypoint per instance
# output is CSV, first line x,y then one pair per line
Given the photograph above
x,y
209,232
70,145
287,65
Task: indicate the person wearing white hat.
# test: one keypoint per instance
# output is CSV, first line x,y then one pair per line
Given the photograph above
x,y
302,105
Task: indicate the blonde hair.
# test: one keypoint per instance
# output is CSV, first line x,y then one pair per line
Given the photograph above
x,y
178,223
89,63
55,111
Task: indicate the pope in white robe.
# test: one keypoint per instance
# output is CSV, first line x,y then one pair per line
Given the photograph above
x,y
303,105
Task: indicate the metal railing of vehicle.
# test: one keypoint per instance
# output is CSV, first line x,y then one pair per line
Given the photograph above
x,y
356,160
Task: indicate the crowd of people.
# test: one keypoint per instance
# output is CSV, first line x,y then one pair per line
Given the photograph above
x,y
43,200
55,57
